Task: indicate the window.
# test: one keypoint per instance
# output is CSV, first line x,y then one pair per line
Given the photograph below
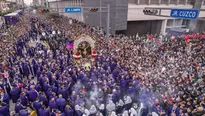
x,y
173,1
182,1
154,2
164,1
170,22
144,1
185,22
190,2
178,22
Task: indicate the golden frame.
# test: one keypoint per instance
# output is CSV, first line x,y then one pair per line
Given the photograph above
x,y
84,38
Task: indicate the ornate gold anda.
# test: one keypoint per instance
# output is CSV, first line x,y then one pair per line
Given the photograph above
x,y
83,38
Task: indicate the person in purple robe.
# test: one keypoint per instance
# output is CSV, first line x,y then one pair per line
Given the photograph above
x,y
49,93
18,106
61,103
52,104
33,94
37,105
66,92
43,111
4,97
23,112
54,88
4,109
24,99
42,98
15,93
26,69
130,90
38,87
68,111
60,90
46,85
19,51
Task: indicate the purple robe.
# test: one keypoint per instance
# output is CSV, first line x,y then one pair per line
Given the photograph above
x,y
37,105
68,112
4,110
43,112
52,105
15,93
61,102
33,95
18,107
23,113
24,100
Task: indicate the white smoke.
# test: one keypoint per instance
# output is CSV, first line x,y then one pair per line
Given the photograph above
x,y
139,111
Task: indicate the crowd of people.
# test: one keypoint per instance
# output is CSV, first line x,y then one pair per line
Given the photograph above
x,y
131,77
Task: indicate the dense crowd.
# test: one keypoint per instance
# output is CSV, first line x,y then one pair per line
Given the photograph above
x,y
131,77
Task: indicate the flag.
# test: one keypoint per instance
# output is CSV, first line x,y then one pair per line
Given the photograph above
x,y
69,46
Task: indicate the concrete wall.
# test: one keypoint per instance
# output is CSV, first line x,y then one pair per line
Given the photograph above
x,y
144,27
200,27
197,5
121,14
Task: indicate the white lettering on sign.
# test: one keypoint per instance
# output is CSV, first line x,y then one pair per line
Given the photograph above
x,y
76,10
73,10
175,13
187,14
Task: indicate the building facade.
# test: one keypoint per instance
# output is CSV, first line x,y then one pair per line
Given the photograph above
x,y
118,12
126,16
36,2
143,24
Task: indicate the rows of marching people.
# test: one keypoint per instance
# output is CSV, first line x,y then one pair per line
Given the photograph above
x,y
128,79
46,81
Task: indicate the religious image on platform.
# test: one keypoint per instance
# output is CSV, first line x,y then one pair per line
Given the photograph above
x,y
102,58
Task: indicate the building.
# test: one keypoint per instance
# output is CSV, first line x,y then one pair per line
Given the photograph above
x,y
36,2
143,24
118,12
4,5
15,4
126,16
43,3
20,3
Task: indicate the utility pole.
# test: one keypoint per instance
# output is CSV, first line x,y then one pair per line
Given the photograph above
x,y
108,25
100,13
47,3
57,6
23,4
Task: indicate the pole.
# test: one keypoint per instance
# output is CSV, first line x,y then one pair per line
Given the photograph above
x,y
100,13
47,3
23,3
57,5
108,25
